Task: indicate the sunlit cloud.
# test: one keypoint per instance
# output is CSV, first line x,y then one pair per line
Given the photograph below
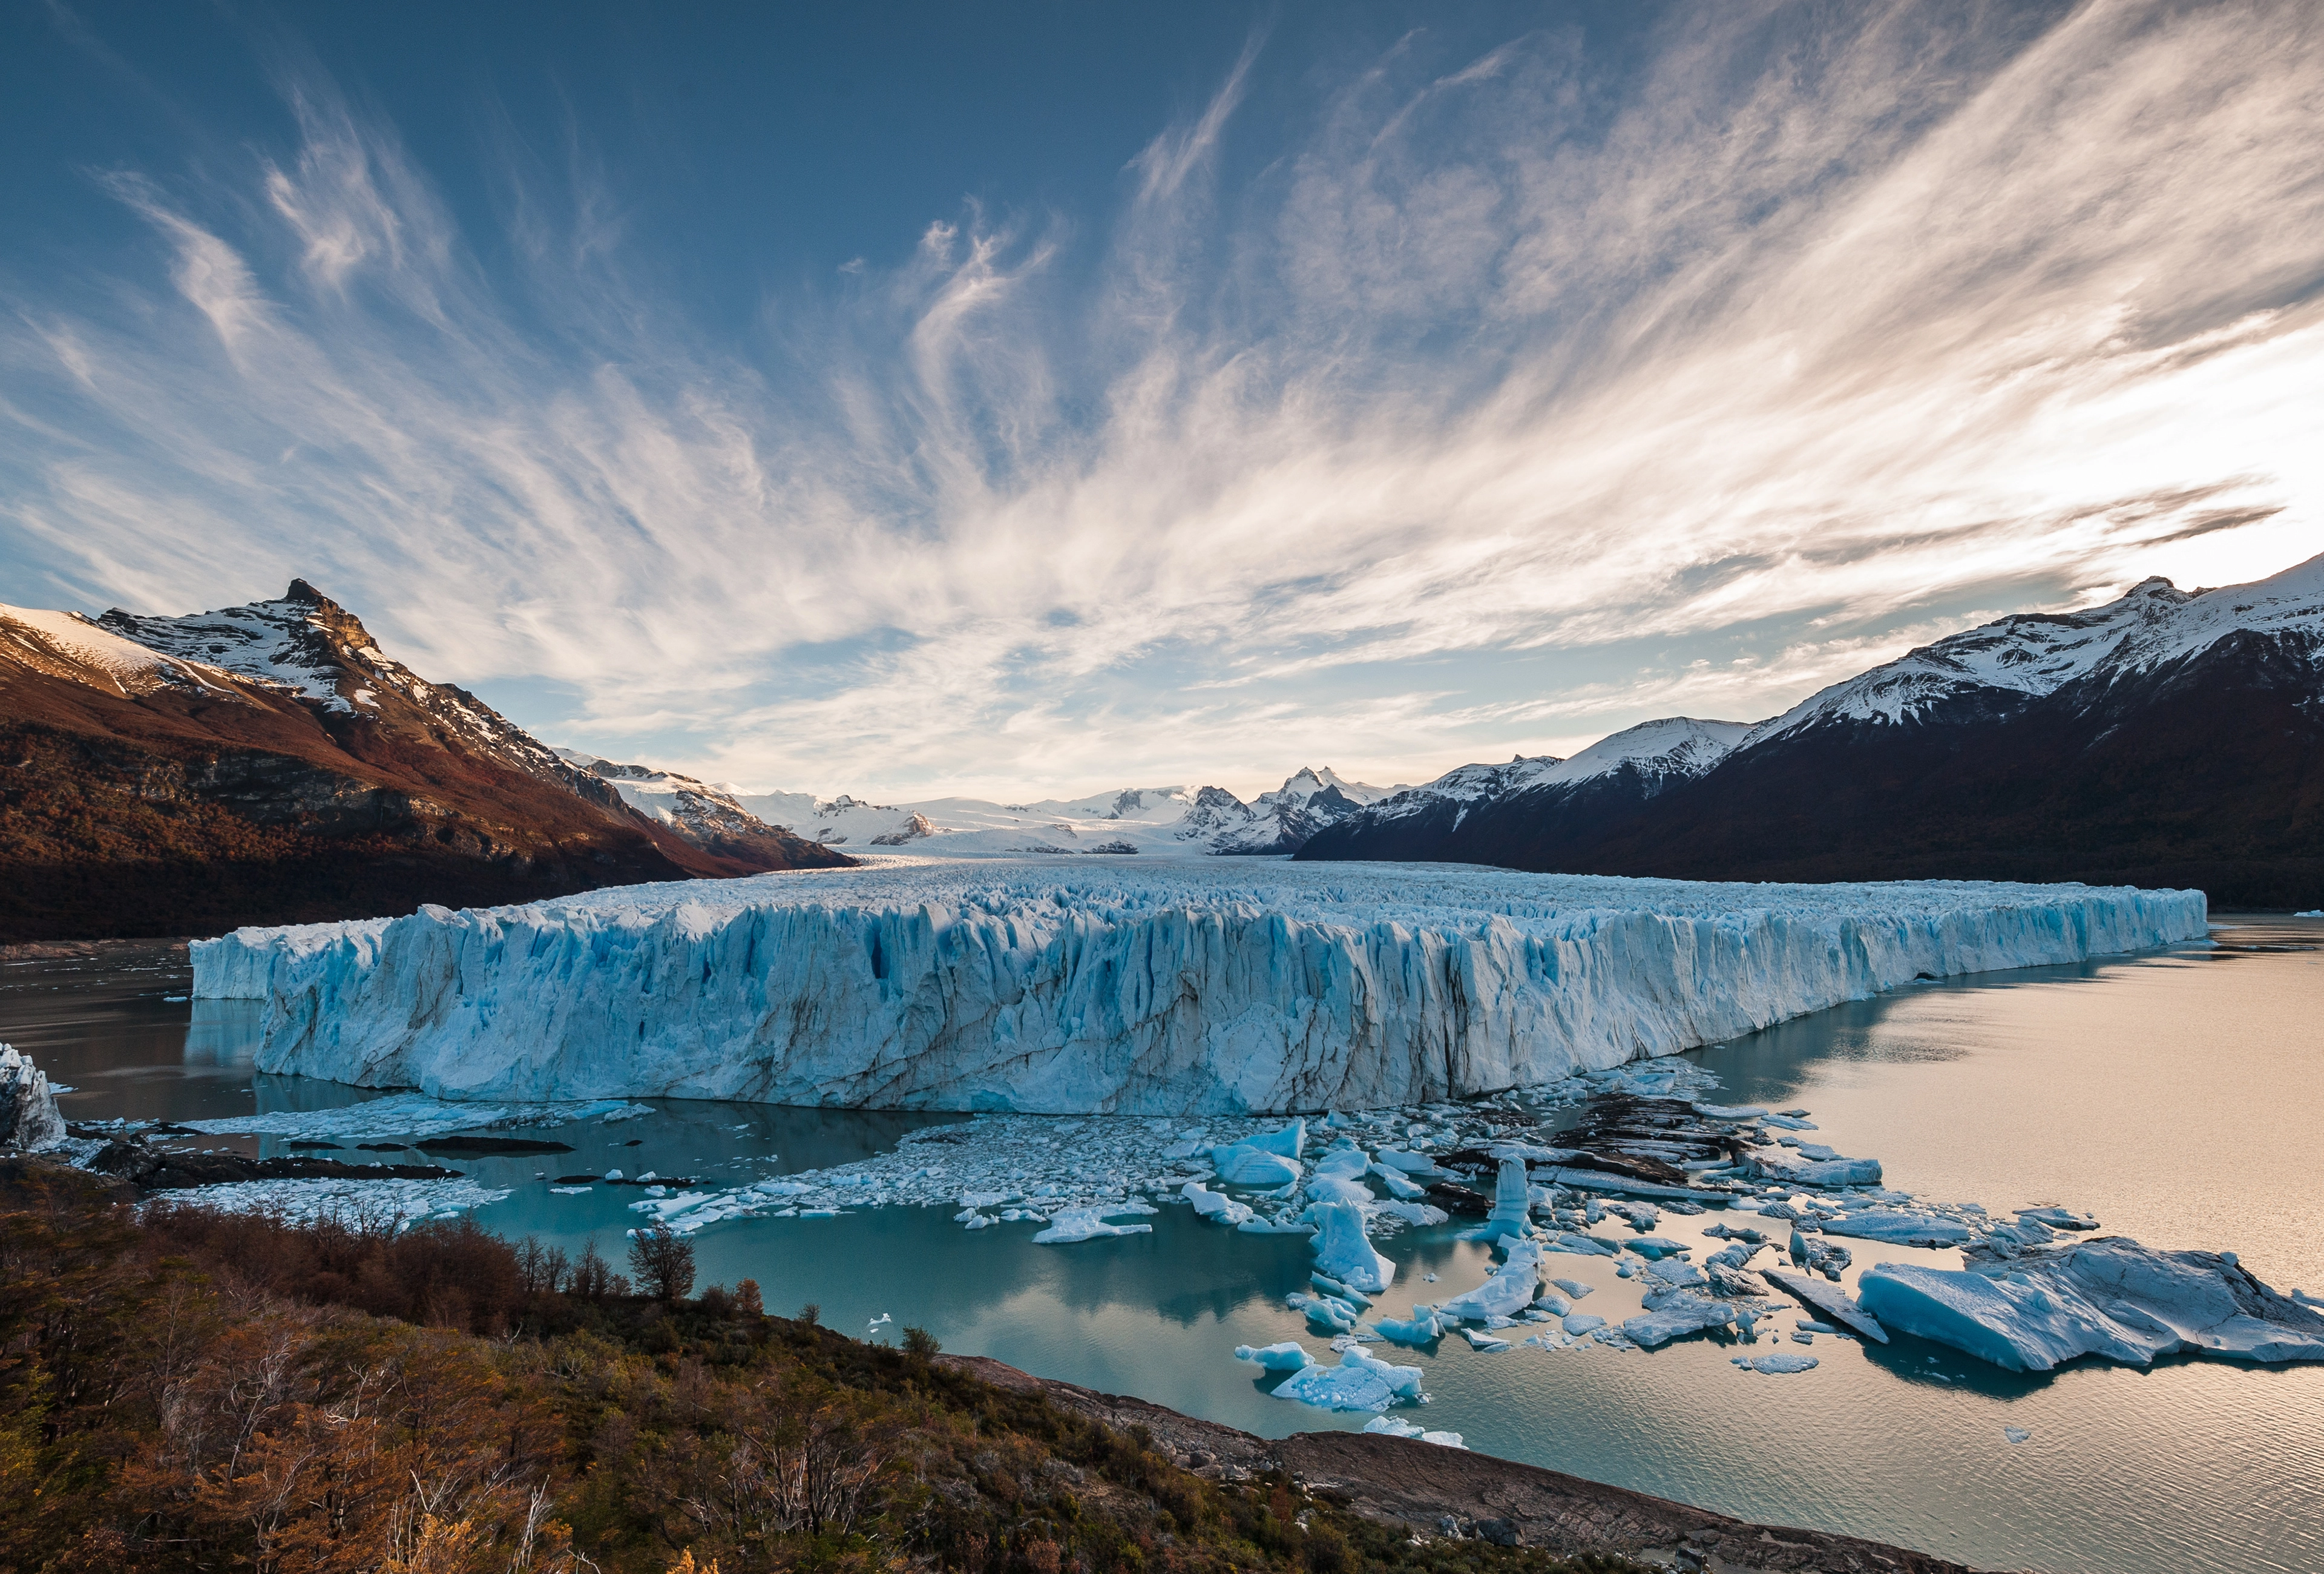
x,y
1491,417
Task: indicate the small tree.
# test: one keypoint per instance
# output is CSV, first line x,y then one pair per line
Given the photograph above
x,y
810,1314
747,1300
593,1278
918,1341
663,1262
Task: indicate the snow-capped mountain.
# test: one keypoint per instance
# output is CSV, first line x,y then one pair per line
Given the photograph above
x,y
309,647
2037,653
1614,775
709,816
1151,821
2168,737
269,764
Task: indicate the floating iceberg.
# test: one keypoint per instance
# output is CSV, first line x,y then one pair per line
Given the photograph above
x,y
1344,1252
2112,1298
1900,1229
1508,1293
1215,1205
1288,1356
1830,1300
1243,1165
1396,1426
1088,1224
1422,1326
1677,1315
1360,1382
1163,989
29,1121
402,1203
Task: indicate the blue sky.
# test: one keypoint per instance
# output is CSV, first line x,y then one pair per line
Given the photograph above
x,y
1047,398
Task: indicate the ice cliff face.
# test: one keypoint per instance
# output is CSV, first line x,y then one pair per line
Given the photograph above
x,y
1162,989
29,1120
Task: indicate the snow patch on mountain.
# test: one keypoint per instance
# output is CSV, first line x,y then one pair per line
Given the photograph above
x,y
80,650
1162,988
692,807
2037,653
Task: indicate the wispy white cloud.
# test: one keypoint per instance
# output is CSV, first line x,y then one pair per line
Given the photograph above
x,y
1511,404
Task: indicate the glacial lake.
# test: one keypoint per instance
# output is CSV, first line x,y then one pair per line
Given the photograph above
x,y
2178,1096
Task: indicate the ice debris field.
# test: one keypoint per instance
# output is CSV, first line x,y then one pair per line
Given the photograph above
x,y
1626,1210
1167,989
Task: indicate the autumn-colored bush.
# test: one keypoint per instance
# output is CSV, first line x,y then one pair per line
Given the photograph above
x,y
200,1391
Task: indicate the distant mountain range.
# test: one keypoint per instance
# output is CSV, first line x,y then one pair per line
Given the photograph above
x,y
2167,738
1153,821
269,764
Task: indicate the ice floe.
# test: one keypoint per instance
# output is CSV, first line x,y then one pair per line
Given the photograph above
x,y
1070,1224
1360,1382
2111,1298
413,1114
399,1204
1396,1426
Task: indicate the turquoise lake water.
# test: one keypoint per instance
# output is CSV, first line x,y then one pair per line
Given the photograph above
x,y
2178,1096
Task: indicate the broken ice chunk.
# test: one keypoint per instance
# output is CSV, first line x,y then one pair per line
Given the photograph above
x,y
1071,1225
1241,1164
1572,1287
1397,1427
1677,1315
1342,1250
2112,1298
1214,1205
1330,1286
1288,1356
2016,1434
1775,1365
1509,1292
1421,1328
1900,1228
1360,1382
1397,1186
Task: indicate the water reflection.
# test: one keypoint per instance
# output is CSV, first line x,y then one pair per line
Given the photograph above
x,y
2176,1096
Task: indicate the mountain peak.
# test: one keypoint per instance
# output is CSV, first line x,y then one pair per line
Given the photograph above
x,y
302,590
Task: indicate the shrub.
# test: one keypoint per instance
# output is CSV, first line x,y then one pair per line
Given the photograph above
x,y
663,1262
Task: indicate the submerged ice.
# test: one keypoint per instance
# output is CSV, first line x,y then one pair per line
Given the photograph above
x,y
1169,989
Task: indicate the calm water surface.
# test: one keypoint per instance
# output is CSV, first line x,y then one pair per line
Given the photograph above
x,y
2176,1096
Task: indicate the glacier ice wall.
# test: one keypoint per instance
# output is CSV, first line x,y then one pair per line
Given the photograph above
x,y
1043,987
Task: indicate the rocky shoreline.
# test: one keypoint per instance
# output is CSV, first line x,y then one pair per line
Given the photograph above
x,y
1439,1492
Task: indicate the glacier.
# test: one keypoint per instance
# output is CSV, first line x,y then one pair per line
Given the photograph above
x,y
1190,988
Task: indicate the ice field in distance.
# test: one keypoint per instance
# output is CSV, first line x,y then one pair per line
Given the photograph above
x,y
1057,986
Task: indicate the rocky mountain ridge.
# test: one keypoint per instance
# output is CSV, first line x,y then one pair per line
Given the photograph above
x,y
2168,737
269,764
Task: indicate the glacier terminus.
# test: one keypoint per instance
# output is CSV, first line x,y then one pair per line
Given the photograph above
x,y
1049,986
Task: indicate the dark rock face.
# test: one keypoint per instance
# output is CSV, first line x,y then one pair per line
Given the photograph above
x,y
268,764
153,1169
2205,772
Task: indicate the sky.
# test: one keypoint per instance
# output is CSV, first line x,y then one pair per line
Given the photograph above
x,y
1020,400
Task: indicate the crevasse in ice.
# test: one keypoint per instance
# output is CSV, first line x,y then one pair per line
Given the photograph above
x,y
1162,989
